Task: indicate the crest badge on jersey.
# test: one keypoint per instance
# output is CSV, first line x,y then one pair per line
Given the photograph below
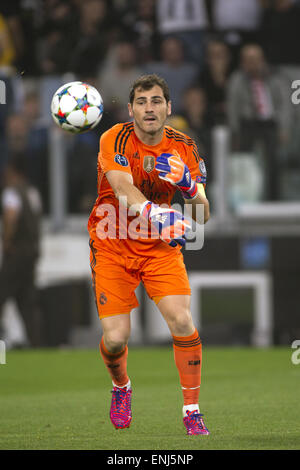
x,y
102,298
121,160
149,163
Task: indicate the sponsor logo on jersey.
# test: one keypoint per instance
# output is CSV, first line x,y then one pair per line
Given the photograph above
x,y
121,160
149,163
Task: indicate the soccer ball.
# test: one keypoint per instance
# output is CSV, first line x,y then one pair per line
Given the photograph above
x,y
77,107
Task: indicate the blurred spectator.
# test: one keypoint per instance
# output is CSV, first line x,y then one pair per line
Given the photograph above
x,y
195,111
281,50
188,21
94,32
237,21
173,67
16,133
21,211
57,32
214,77
259,111
37,146
7,49
27,134
11,34
6,107
81,163
75,39
116,77
280,32
8,55
178,122
138,22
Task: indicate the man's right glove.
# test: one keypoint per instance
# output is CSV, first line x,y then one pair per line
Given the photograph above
x,y
170,225
171,168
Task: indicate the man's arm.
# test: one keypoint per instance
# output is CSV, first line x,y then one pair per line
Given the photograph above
x,y
199,216
123,187
170,225
11,206
10,219
171,168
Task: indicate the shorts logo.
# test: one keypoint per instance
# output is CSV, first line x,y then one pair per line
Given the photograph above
x,y
202,167
102,299
149,163
121,160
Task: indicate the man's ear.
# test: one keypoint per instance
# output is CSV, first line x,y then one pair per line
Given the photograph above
x,y
169,111
130,110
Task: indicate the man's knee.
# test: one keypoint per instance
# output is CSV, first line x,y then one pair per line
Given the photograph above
x,y
115,340
116,332
180,322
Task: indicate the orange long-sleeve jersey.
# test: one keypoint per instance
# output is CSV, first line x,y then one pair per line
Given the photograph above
x,y
121,149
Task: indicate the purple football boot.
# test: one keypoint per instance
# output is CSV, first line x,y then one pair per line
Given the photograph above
x,y
120,410
194,424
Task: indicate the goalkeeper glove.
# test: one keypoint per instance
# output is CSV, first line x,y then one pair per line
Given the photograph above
x,y
172,169
170,225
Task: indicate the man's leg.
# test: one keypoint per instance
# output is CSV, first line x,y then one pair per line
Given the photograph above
x,y
8,286
113,347
114,289
187,354
186,344
114,352
27,302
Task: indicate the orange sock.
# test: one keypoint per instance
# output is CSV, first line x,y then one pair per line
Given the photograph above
x,y
188,360
116,364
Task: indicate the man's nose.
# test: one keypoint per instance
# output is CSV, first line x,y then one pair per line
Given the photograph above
x,y
149,107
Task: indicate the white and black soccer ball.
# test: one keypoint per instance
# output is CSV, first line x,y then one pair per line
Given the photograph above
x,y
77,107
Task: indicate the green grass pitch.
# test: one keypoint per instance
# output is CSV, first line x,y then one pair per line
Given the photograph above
x,y
60,399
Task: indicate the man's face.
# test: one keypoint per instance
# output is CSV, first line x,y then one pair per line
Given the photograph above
x,y
149,110
253,62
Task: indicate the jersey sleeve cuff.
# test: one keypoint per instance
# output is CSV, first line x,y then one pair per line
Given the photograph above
x,y
192,193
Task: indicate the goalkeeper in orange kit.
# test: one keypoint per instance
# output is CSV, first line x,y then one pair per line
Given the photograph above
x,y
141,164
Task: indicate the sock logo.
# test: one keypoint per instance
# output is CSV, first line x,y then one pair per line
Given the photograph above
x,y
194,363
113,366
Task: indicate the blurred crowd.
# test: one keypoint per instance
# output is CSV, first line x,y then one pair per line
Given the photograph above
x,y
227,62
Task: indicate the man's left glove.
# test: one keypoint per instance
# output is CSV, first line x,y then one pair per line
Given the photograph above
x,y
169,224
172,169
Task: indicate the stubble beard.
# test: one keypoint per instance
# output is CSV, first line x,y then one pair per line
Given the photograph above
x,y
151,132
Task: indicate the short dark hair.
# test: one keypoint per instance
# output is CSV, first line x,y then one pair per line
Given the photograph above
x,y
146,82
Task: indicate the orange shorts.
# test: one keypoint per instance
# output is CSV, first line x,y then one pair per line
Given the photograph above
x,y
115,278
